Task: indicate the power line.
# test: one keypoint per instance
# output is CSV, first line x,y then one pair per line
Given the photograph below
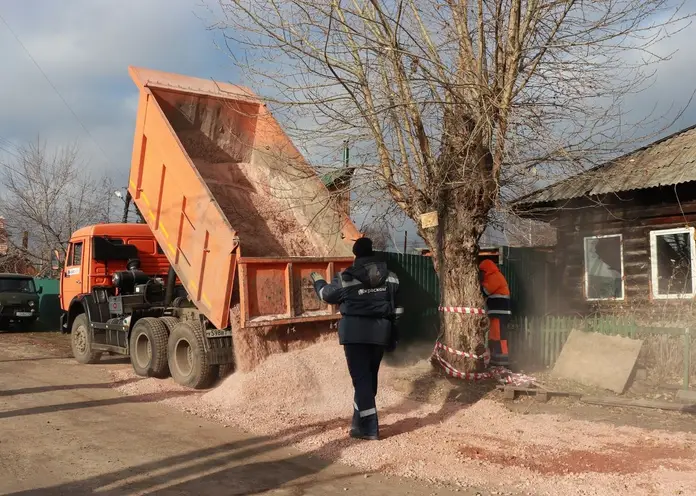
x,y
48,80
7,145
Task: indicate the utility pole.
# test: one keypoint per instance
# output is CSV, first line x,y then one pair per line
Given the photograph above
x,y
405,241
126,207
346,153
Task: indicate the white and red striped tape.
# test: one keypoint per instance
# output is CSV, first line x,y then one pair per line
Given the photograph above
x,y
462,310
486,355
501,374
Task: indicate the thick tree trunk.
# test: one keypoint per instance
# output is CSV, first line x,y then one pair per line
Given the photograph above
x,y
459,287
455,252
468,191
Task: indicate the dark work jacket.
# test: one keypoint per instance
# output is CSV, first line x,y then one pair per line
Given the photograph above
x,y
368,297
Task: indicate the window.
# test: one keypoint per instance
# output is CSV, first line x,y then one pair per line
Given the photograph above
x,y
17,285
76,254
604,268
672,263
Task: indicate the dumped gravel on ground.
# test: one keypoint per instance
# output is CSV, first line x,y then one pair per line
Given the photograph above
x,y
304,398
253,345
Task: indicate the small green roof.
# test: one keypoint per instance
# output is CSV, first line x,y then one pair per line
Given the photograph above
x,y
332,177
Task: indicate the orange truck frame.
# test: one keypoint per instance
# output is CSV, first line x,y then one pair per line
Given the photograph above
x,y
162,292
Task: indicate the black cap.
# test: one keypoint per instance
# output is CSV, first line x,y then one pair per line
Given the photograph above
x,y
363,248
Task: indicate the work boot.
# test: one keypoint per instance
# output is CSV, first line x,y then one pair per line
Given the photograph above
x,y
355,424
367,429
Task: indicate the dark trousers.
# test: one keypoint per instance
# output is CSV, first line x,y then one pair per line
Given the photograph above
x,y
363,365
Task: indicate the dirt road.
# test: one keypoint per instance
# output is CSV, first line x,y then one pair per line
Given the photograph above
x,y
64,429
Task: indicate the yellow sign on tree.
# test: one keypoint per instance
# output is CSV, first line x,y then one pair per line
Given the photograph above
x,y
429,219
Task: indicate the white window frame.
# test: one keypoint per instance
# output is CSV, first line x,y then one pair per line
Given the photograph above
x,y
653,263
587,277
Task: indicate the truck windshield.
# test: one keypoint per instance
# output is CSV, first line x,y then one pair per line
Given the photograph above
x,y
17,285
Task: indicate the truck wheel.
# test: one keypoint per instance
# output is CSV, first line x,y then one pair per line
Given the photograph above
x,y
187,360
81,341
148,348
179,302
170,323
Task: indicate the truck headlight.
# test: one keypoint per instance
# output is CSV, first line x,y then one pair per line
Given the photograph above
x,y
31,304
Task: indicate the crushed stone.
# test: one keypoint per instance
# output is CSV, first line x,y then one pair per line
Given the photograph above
x,y
304,398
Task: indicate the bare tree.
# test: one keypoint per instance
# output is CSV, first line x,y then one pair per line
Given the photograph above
x,y
50,195
378,232
452,100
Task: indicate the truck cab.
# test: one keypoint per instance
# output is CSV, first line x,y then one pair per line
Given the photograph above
x,y
96,253
19,301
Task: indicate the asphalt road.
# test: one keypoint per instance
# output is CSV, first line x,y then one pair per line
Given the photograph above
x,y
65,430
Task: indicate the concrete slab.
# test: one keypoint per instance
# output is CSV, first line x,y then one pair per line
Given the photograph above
x,y
598,360
686,396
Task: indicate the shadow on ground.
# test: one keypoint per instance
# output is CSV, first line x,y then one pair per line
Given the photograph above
x,y
66,387
248,466
62,407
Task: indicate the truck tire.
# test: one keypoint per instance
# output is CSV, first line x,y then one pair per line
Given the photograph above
x,y
81,341
148,348
187,361
170,323
179,302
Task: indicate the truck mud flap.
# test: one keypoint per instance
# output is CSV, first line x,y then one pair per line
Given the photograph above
x,y
219,350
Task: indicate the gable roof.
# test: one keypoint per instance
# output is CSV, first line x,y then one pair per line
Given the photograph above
x,y
666,162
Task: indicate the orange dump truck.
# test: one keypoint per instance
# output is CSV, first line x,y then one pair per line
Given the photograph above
x,y
236,221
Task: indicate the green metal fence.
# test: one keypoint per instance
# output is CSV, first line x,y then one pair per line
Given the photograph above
x,y
526,270
419,290
49,304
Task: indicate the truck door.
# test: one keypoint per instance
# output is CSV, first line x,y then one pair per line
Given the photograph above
x,y
73,274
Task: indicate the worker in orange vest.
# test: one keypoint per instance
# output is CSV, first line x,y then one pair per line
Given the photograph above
x,y
495,290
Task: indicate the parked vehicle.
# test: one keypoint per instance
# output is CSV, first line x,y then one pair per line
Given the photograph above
x,y
19,301
206,159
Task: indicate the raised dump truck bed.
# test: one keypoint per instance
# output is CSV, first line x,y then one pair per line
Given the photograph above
x,y
228,196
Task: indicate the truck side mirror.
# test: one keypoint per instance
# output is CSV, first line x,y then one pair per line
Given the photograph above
x,y
40,290
55,261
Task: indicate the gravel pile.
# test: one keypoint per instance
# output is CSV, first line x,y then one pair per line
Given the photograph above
x,y
304,398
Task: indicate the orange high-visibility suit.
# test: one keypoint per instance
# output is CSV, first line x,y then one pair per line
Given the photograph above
x,y
497,294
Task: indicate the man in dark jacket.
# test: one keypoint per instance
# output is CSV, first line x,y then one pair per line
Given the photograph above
x,y
367,294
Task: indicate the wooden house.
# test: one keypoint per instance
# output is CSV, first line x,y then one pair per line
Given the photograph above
x,y
625,232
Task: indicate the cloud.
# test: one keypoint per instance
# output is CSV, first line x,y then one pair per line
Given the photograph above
x,y
85,47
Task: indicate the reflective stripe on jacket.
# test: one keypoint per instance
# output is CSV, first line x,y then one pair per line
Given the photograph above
x,y
367,293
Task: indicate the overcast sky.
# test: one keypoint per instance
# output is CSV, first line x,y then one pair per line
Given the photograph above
x,y
85,47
